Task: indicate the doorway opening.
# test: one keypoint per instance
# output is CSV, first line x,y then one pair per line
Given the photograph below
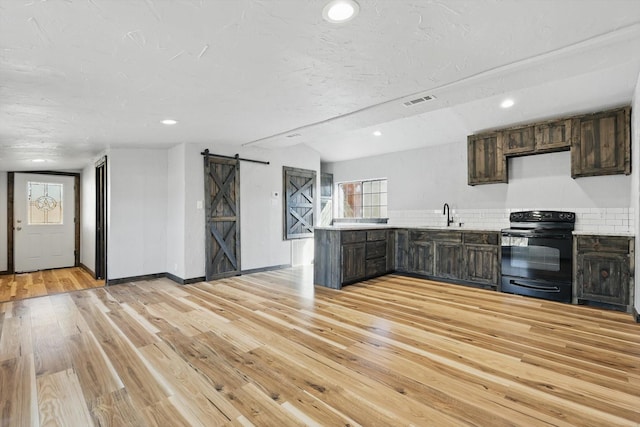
x,y
101,219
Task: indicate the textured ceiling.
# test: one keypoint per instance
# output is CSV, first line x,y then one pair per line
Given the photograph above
x,y
77,77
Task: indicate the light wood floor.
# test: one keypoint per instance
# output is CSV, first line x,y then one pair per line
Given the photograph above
x,y
269,349
46,282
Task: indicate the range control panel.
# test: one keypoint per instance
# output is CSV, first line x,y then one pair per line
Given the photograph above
x,y
542,216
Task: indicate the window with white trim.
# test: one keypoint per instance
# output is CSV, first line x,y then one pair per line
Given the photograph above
x,y
362,199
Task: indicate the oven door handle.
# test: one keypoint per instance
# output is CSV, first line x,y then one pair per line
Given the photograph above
x,y
537,235
536,287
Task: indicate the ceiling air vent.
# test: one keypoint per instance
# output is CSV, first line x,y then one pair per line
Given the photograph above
x,y
419,100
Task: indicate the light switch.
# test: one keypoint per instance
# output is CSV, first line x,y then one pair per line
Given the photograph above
x,y
199,204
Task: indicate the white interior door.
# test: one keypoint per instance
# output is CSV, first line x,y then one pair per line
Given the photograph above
x,y
44,230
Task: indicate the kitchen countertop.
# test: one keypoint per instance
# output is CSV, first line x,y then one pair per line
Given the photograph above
x,y
602,233
364,226
361,226
349,227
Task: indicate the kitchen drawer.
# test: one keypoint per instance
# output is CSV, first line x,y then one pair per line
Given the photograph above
x,y
607,244
376,267
353,236
446,236
376,249
481,238
373,235
419,236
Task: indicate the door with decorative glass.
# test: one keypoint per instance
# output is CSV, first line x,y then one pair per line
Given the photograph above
x,y
44,229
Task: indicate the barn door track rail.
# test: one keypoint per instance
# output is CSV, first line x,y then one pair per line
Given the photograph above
x,y
237,157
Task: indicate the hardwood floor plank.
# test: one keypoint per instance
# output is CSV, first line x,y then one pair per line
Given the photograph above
x,y
18,392
16,340
96,375
163,413
116,409
60,400
260,409
50,349
131,327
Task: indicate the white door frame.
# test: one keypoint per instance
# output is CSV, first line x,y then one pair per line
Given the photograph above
x,y
10,215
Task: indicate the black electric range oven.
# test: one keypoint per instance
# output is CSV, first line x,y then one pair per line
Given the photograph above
x,y
537,255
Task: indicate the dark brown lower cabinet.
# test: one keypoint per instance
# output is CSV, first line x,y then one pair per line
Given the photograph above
x,y
459,256
481,263
421,258
353,262
604,270
348,256
402,250
448,260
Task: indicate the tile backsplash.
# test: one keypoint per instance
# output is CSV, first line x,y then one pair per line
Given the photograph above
x,y
588,220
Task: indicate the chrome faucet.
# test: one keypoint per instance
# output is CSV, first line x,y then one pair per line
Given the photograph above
x,y
445,209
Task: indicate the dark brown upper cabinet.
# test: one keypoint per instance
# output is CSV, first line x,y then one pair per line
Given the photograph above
x,y
487,163
554,136
602,144
539,138
518,140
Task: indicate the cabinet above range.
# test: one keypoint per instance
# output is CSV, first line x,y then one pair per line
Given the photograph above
x,y
600,144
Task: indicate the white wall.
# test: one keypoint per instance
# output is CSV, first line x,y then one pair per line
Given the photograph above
x,y
262,244
176,190
427,178
88,217
156,215
137,212
3,221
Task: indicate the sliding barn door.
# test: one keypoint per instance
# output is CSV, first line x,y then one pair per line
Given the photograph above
x,y
222,198
299,190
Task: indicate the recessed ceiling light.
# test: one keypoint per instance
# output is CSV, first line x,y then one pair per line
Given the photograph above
x,y
340,10
169,122
38,160
507,103
377,133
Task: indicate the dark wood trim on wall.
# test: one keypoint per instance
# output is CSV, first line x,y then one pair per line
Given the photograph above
x,y
76,188
10,184
182,281
101,219
190,281
135,278
10,218
263,269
